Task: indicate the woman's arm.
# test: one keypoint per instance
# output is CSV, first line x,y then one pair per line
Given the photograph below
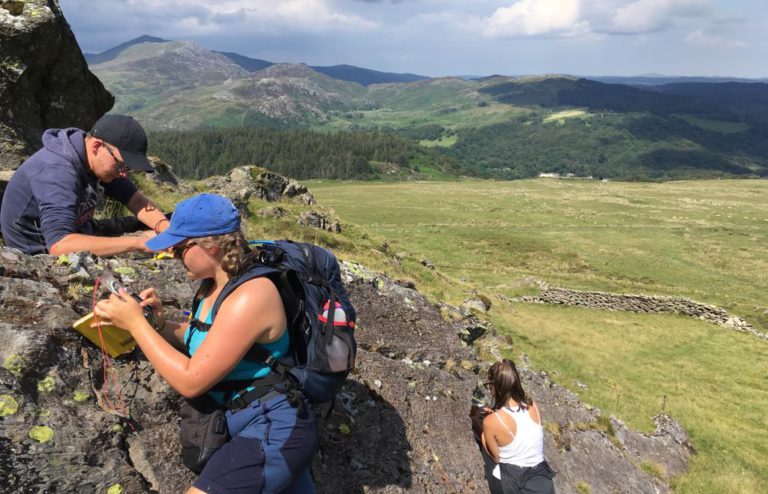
x,y
252,313
534,412
489,437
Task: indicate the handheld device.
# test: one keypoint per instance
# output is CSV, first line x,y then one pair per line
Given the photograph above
x,y
111,283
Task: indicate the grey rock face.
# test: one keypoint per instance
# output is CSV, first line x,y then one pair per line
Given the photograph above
x,y
44,79
399,425
246,181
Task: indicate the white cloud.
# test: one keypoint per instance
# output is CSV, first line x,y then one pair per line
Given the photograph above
x,y
643,16
701,38
536,17
261,15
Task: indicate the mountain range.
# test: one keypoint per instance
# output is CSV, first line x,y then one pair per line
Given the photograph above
x,y
497,126
350,73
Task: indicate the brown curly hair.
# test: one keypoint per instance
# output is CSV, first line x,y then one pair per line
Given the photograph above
x,y
237,255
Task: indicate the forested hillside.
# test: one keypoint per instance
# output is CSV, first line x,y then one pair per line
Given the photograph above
x,y
297,153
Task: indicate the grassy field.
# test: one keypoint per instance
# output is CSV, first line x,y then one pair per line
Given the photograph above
x,y
467,114
703,240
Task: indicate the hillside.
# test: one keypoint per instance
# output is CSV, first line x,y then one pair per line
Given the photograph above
x,y
495,127
515,241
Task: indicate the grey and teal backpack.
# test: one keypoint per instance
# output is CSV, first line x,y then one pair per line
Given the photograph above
x,y
321,321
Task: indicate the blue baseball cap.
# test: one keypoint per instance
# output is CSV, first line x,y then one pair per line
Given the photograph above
x,y
199,216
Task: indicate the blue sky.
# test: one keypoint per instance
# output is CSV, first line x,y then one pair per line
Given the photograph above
x,y
453,37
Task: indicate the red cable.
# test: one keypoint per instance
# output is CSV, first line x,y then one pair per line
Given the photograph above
x,y
106,364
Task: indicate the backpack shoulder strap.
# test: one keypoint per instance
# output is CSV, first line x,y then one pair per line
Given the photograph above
x,y
256,271
288,286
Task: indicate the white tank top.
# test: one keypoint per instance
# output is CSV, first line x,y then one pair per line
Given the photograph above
x,y
527,446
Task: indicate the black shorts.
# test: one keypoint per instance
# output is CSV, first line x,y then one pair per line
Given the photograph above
x,y
527,480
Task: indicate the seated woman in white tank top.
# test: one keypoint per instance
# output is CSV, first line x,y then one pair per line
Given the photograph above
x,y
513,435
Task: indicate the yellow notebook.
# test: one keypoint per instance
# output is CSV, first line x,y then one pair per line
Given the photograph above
x,y
116,341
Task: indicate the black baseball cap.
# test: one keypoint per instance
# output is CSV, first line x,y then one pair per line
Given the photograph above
x,y
127,135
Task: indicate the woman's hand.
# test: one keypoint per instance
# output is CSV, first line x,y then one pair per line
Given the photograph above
x,y
151,298
121,311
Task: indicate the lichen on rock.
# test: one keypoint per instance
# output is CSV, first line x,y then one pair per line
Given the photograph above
x,y
15,364
46,385
8,405
41,433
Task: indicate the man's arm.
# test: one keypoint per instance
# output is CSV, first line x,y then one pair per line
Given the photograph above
x,y
100,246
146,211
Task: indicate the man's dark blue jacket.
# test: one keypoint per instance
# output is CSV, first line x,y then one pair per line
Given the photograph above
x,y
54,193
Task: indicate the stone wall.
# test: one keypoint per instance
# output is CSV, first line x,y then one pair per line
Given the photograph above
x,y
643,304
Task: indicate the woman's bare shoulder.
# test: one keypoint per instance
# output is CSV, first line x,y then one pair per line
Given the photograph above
x,y
254,293
491,421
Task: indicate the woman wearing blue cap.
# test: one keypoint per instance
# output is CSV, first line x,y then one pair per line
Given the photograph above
x,y
273,441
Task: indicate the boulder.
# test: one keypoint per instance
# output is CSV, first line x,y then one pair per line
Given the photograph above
x,y
165,177
246,181
314,219
44,79
274,212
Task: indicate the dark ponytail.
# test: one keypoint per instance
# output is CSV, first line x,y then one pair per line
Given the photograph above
x,y
505,384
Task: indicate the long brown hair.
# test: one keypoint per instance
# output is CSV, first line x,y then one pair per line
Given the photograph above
x,y
505,384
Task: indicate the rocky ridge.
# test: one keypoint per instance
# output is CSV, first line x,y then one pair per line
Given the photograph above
x,y
400,423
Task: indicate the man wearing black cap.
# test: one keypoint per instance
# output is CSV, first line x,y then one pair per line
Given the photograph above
x,y
49,202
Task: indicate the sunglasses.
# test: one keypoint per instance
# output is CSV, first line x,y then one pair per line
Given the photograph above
x,y
179,249
122,168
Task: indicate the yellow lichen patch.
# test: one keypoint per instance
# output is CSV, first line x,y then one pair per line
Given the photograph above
x,y
46,385
115,489
81,396
126,271
344,429
63,260
15,364
8,405
41,433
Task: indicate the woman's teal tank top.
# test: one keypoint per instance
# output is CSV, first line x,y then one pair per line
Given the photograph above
x,y
244,370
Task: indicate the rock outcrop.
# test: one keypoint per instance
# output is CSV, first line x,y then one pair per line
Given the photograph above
x,y
314,219
244,182
44,79
400,423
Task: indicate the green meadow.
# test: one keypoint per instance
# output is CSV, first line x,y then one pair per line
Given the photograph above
x,y
705,240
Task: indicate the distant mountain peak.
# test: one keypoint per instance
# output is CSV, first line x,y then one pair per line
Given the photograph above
x,y
145,38
112,53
